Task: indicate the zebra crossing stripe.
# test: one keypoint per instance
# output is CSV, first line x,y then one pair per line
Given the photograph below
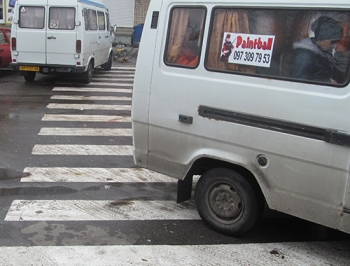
x,y
85,118
89,98
91,89
91,84
113,107
114,79
60,131
110,84
92,175
100,210
53,149
119,75
123,68
258,254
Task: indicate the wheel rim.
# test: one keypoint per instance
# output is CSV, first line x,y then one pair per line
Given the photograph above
x,y
225,202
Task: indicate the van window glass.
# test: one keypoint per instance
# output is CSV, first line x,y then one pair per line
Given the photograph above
x,y
92,19
185,36
108,24
31,17
301,45
86,19
101,21
62,18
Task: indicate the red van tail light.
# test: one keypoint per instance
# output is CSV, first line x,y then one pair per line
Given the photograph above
x,y
78,46
13,43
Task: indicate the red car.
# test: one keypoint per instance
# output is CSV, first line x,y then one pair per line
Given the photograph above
x,y
5,50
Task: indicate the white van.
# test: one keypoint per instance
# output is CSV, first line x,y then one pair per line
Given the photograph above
x,y
252,96
61,36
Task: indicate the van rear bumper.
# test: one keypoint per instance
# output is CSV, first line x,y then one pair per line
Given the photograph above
x,y
49,69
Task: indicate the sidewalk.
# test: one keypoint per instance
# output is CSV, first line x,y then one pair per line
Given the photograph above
x,y
127,57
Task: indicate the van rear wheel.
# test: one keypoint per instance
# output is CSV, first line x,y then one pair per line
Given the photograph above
x,y
87,75
108,66
29,76
226,202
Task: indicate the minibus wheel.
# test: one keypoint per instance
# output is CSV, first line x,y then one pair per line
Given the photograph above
x,y
87,75
226,202
29,76
108,66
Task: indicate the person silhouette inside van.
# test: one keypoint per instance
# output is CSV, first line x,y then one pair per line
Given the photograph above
x,y
313,58
189,55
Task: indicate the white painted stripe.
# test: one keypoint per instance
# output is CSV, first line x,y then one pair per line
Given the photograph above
x,y
72,106
113,175
131,68
86,118
257,254
114,79
91,84
92,89
59,131
99,210
110,84
62,149
89,98
114,75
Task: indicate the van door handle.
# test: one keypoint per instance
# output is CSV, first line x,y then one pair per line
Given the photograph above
x,y
51,38
186,119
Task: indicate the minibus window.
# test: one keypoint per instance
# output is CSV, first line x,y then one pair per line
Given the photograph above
x,y
101,21
185,36
300,45
92,20
62,18
31,17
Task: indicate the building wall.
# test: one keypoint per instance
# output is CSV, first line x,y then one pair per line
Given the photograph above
x,y
121,12
141,7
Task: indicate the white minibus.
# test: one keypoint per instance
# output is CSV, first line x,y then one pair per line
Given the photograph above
x,y
253,97
61,36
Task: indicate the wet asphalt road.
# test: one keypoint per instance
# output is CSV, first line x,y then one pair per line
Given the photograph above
x,y
22,107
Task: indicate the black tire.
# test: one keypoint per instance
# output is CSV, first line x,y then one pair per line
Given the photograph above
x,y
227,202
87,75
108,66
29,76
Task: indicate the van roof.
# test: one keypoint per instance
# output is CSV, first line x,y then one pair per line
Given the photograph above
x,y
98,3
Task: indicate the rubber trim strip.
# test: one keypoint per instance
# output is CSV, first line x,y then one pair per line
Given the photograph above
x,y
327,135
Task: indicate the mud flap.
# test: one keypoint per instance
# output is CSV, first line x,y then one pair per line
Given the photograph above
x,y
184,189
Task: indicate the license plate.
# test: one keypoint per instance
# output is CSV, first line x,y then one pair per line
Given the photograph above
x,y
29,68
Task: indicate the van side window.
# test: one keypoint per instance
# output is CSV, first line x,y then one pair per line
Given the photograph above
x,y
62,18
91,19
185,35
300,45
108,23
31,17
101,21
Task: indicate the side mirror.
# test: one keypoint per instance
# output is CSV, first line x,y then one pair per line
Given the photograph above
x,y
114,29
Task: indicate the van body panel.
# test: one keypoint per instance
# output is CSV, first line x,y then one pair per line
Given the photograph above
x,y
305,176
